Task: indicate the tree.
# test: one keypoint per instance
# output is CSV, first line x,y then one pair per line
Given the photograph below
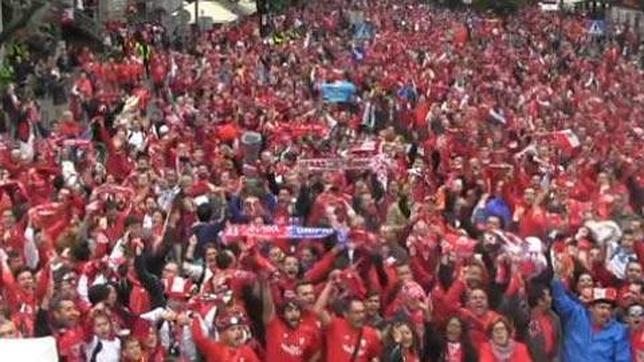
x,y
22,21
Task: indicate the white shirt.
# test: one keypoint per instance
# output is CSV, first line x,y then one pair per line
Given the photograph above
x,y
110,352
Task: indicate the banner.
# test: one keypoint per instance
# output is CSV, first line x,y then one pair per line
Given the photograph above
x,y
29,350
302,130
276,232
338,92
336,164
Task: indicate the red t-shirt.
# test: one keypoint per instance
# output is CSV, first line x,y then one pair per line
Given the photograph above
x,y
341,340
285,344
532,222
637,346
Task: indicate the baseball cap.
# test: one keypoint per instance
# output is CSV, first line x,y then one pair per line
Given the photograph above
x,y
604,295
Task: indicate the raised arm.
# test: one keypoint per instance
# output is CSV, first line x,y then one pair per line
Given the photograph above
x,y
268,306
204,345
323,300
565,305
149,281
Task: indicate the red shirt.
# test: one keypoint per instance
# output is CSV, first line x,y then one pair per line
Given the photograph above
x,y
219,352
548,332
637,345
341,340
520,353
285,344
532,223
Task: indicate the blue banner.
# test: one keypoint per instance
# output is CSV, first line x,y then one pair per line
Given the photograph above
x,y
338,92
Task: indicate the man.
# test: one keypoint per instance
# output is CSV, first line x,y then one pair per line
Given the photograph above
x,y
230,347
373,309
590,333
347,338
206,229
633,272
544,330
65,327
478,314
289,338
22,291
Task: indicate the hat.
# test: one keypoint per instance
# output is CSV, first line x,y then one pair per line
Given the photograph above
x,y
604,295
413,290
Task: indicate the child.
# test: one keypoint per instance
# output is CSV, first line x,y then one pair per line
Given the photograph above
x,y
104,345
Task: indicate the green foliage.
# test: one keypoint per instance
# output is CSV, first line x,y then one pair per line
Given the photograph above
x,y
277,6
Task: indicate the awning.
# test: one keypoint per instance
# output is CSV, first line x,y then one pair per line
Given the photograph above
x,y
210,12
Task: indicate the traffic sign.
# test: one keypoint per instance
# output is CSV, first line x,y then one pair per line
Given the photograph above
x,y
596,27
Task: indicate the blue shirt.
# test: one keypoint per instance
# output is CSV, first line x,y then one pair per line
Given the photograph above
x,y
580,342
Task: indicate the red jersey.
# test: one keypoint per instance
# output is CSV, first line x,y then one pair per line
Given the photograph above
x,y
219,352
341,340
286,344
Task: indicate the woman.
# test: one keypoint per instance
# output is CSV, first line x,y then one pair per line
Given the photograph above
x,y
401,343
452,344
584,284
501,347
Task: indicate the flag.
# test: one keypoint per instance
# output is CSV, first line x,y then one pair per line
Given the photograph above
x,y
567,139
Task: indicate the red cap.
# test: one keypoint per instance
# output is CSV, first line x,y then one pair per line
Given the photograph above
x,y
604,295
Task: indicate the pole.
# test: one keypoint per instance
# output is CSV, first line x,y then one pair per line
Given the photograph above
x,y
198,27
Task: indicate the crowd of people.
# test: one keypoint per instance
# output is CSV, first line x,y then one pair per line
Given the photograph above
x,y
477,195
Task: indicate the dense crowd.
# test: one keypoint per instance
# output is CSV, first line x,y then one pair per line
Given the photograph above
x,y
475,195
